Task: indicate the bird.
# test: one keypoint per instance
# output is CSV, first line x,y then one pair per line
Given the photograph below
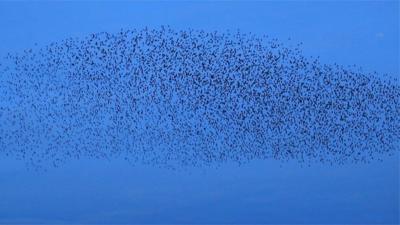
x,y
190,98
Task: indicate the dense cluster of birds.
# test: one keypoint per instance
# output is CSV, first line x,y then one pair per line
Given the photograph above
x,y
190,98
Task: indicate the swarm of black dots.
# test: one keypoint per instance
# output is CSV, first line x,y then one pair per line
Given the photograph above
x,y
191,98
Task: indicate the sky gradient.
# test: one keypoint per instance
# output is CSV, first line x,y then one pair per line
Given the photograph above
x,y
364,33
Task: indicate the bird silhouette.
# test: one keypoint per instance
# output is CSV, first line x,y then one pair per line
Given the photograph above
x,y
191,98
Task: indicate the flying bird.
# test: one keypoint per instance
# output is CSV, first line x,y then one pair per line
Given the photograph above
x,y
179,98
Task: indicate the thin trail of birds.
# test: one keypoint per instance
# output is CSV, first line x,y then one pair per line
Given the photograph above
x,y
180,98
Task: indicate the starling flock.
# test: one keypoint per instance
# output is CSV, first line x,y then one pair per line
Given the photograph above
x,y
191,98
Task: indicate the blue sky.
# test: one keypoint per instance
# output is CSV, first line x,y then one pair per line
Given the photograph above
x,y
364,33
